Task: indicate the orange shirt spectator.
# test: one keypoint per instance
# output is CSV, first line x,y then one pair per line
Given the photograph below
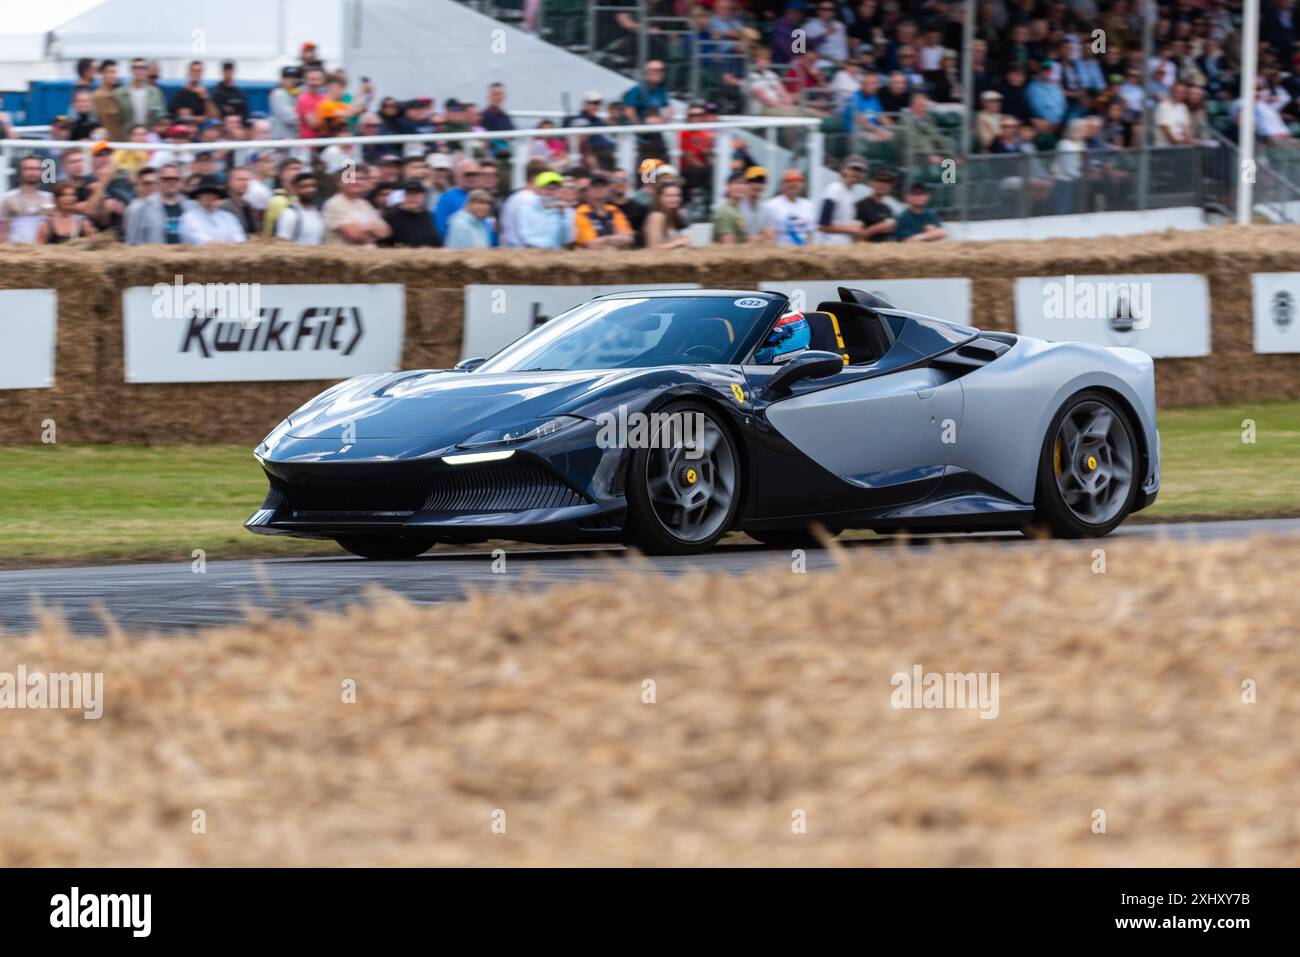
x,y
597,223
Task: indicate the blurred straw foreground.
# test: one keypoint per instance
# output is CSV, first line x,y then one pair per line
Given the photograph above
x,y
1119,692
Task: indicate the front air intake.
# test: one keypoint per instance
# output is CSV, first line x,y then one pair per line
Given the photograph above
x,y
504,487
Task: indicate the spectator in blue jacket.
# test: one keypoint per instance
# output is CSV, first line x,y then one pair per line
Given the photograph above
x,y
1046,98
472,226
650,93
467,177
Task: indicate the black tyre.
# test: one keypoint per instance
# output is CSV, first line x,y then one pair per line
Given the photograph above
x,y
683,497
385,549
1088,468
792,537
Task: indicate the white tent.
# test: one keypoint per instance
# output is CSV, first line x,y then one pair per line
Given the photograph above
x,y
441,48
43,39
25,27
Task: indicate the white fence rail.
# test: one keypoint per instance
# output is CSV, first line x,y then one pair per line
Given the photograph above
x,y
519,140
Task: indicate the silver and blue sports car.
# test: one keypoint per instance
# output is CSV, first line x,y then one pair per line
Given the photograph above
x,y
668,418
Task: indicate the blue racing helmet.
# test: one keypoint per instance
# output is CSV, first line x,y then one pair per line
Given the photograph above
x,y
790,336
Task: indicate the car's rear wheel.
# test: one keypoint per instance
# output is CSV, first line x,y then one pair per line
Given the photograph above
x,y
1088,468
385,549
683,497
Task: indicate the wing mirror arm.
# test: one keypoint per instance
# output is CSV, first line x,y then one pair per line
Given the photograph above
x,y
469,365
814,364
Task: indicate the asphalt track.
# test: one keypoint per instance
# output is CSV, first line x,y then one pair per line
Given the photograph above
x,y
171,597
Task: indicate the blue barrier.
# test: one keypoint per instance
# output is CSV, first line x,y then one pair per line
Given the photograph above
x,y
47,99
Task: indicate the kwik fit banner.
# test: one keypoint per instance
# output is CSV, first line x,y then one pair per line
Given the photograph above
x,y
247,332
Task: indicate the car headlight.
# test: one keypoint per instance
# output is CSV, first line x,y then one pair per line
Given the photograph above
x,y
516,435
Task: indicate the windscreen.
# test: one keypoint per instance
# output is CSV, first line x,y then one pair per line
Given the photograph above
x,y
636,332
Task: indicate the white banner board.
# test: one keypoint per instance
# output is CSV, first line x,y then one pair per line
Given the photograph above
x,y
1162,314
29,326
942,298
1277,316
259,333
496,315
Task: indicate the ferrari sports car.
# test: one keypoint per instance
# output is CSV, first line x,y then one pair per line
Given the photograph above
x,y
667,418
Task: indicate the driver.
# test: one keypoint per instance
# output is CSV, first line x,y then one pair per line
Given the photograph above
x,y
790,336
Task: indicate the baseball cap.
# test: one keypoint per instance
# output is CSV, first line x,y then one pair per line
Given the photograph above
x,y
990,95
439,161
919,188
549,178
856,162
790,175
293,71
101,147
667,170
756,172
591,96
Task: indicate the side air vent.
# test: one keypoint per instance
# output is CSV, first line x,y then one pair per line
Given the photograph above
x,y
973,355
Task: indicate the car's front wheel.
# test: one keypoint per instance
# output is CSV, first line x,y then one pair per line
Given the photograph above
x,y
684,490
1088,468
385,549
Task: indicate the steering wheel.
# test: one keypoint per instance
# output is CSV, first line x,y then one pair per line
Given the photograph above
x,y
704,352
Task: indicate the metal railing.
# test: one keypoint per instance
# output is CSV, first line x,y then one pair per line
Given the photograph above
x,y
1064,182
1277,179
519,141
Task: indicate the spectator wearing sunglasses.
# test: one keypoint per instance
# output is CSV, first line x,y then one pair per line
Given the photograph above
x,y
158,218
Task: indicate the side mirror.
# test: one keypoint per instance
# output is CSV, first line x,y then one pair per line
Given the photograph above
x,y
813,364
469,365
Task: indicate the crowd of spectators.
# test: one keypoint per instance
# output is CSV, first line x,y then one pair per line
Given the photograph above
x,y
1058,77
1042,62
1059,86
364,194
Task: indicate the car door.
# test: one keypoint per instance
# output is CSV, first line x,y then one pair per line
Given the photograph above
x,y
889,435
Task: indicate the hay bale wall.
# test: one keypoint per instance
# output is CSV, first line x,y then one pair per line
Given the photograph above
x,y
90,402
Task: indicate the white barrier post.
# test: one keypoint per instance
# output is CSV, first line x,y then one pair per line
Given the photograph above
x,y
519,150
816,159
721,165
625,149
1246,119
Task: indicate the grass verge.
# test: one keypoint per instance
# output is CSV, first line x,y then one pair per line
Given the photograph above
x,y
91,504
